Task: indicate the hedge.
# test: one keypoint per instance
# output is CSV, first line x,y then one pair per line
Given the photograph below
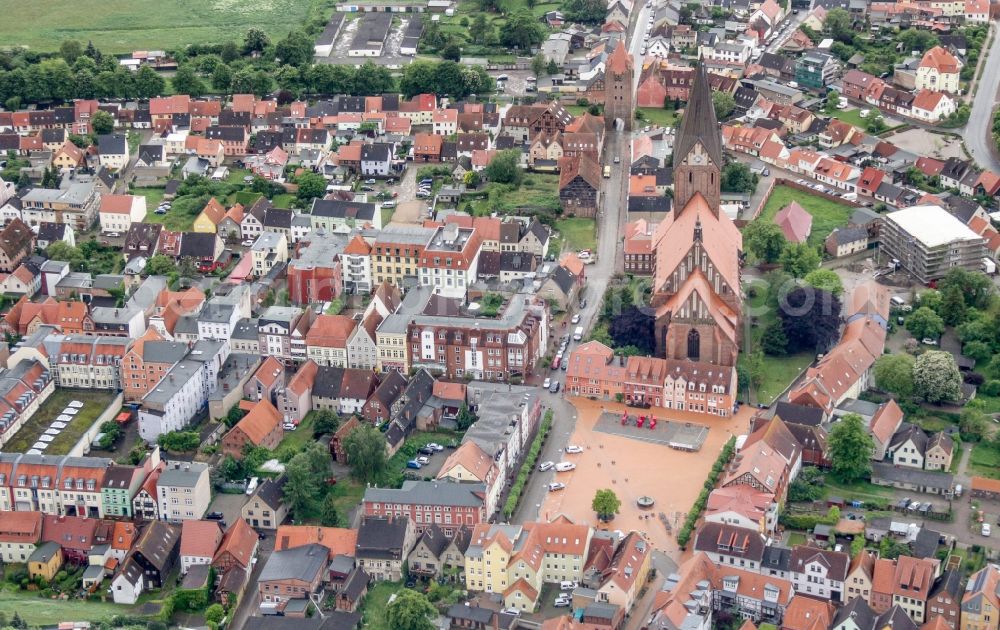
x,y
529,464
684,535
809,521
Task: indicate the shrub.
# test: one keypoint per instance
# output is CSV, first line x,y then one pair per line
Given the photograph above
x,y
684,535
529,464
990,388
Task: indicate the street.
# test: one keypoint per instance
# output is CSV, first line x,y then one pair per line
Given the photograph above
x,y
979,130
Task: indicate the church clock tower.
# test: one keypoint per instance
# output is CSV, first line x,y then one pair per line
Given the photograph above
x,y
698,149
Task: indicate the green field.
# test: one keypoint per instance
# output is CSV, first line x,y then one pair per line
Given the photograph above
x,y
660,117
37,611
94,404
850,116
984,461
121,26
538,191
861,490
577,233
826,214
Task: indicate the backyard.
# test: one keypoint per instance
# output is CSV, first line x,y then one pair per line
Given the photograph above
x,y
577,233
850,116
538,192
37,611
468,10
659,117
373,608
121,26
779,371
984,461
826,214
94,404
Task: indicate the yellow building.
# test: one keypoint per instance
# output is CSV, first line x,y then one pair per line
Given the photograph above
x,y
628,573
208,220
396,252
516,560
981,604
45,561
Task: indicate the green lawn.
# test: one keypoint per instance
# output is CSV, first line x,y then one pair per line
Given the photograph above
x,y
37,611
984,461
779,372
387,215
858,490
826,214
121,26
94,404
661,117
296,440
796,538
956,457
851,116
578,233
538,192
153,198
284,200
373,608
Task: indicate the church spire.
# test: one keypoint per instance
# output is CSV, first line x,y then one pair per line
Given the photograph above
x,y
699,123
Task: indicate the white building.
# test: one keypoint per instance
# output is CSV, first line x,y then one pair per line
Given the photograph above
x,y
183,392
183,491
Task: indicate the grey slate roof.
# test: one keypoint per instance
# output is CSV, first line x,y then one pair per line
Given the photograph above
x,y
429,493
303,563
702,126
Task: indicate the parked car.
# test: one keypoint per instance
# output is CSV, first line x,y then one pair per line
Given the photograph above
x,y
215,516
567,585
414,464
573,449
927,341
288,426
547,383
544,466
423,450
561,602
423,460
554,387
554,486
985,531
369,181
575,319
565,466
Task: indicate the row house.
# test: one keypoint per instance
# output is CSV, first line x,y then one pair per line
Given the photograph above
x,y
319,268
75,202
449,506
58,486
396,253
282,332
450,260
146,363
523,122
235,140
23,389
87,362
480,348
326,341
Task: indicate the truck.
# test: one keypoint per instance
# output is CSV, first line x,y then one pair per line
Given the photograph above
x,y
989,267
578,333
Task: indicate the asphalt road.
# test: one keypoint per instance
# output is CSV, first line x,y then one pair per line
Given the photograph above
x,y
978,132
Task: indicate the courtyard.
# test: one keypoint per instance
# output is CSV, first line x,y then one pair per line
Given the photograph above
x,y
94,404
634,468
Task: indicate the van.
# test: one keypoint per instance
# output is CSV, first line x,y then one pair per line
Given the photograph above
x,y
897,301
578,333
607,172
958,489
850,196
252,485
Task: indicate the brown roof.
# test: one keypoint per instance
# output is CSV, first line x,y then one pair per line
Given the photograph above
x,y
117,204
239,542
805,613
471,457
836,562
449,391
260,422
331,331
20,526
357,247
584,166
214,211
200,539
338,540
16,237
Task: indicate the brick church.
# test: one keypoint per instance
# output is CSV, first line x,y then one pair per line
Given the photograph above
x,y
697,294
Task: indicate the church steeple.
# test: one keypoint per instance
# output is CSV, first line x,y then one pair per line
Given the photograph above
x,y
698,149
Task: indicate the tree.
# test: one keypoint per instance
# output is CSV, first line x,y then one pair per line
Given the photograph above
x,y
70,50
633,327
311,185
773,341
832,100
586,11
187,81
63,251
160,265
764,240
255,40
102,122
981,351
296,49
479,29
505,168
894,374
331,515
976,287
365,446
890,549
810,318
606,503
305,473
952,311
538,64
850,447
973,425
924,323
737,177
839,25
930,298
724,104
799,259
372,79
465,418
215,613
808,485
451,52
222,78
410,610
234,415
325,422
876,124
936,377
148,83
826,280
522,31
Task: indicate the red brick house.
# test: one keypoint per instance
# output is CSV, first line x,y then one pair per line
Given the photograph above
x,y
16,242
235,140
260,427
427,147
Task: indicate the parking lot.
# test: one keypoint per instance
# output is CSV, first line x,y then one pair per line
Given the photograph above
x,y
229,504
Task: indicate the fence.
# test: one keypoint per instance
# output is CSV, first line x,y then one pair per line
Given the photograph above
x,y
82,446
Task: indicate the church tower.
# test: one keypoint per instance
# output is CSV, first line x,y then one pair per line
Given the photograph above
x,y
618,94
698,148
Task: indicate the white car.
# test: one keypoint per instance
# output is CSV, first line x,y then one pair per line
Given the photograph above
x,y
561,602
545,466
423,460
556,486
248,243
985,531
434,446
546,383
573,448
288,426
565,466
927,341
575,319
